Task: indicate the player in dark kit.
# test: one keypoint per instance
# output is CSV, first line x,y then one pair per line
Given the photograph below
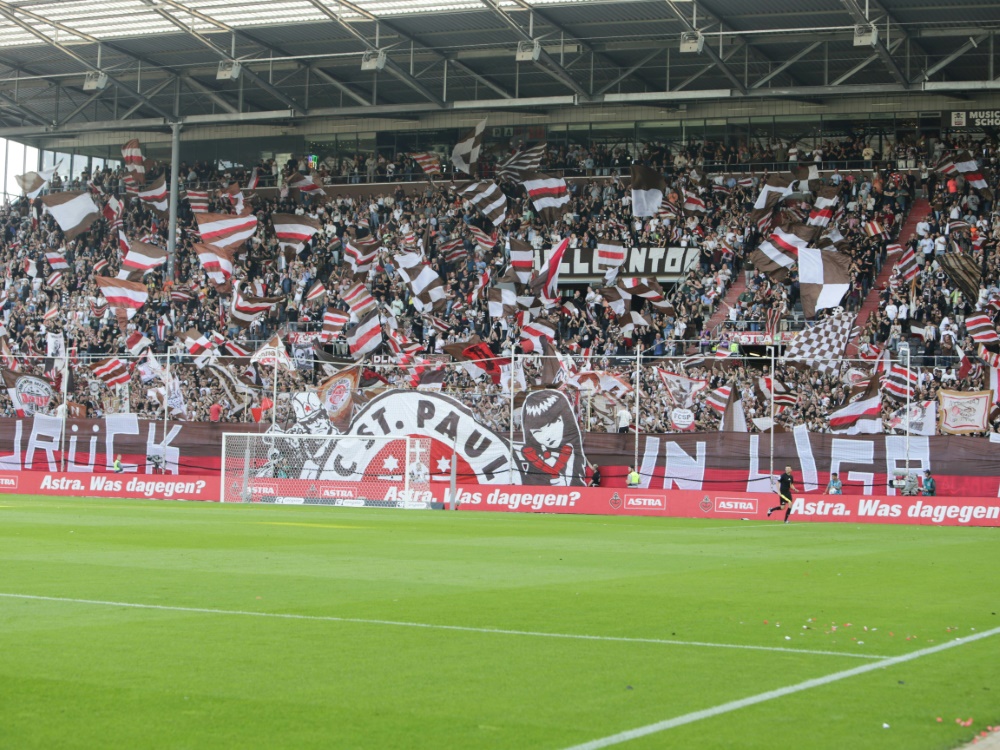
x,y
785,489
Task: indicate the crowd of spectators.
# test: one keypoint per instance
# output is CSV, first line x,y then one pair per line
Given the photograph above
x,y
591,337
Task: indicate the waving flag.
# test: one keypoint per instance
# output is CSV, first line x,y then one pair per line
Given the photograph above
x,y
111,371
648,190
156,195
823,208
217,262
779,252
246,308
466,152
57,261
907,265
862,416
824,279
522,259
429,293
489,199
134,161
143,257
316,291
333,322
549,195
223,230
33,183
547,280
822,346
198,200
304,182
127,296
74,212
610,254
900,382
366,336
360,255
521,163
294,231
359,299
981,329
428,161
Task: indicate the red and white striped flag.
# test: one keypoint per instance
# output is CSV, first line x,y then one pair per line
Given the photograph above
x,y
610,253
294,231
334,321
824,206
304,182
143,257
546,283
111,371
217,262
57,261
862,416
360,255
780,251
359,300
134,161
100,266
981,329
522,259
549,195
453,250
198,200
223,230
366,336
694,203
156,195
428,161
246,308
316,291
136,342
54,278
122,295
874,228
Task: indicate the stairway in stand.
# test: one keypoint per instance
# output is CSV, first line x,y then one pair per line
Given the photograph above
x,y
920,211
721,314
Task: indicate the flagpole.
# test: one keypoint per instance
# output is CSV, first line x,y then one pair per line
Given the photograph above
x,y
771,464
510,439
909,389
638,390
274,405
166,408
65,403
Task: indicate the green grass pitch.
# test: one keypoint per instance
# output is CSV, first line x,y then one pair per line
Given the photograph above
x,y
201,670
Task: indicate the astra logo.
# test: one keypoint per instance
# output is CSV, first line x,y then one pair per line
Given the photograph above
x,y
735,505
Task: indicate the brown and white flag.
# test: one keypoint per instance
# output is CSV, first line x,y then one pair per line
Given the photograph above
x,y
489,199
33,183
429,292
822,346
549,195
125,296
522,162
111,371
74,212
134,161
294,231
225,230
466,152
648,188
360,255
779,185
156,194
246,308
824,279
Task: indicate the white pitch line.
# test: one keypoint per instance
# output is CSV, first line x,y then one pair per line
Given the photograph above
x,y
708,713
432,626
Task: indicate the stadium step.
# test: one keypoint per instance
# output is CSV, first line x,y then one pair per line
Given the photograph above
x,y
721,313
920,211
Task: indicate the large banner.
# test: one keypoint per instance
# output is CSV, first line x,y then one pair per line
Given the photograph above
x,y
551,452
64,484
940,511
662,263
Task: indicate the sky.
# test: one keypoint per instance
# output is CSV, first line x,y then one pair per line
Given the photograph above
x,y
14,161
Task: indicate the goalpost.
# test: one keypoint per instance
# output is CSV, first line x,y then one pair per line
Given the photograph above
x,y
352,471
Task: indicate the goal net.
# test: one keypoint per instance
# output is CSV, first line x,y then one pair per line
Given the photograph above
x,y
388,472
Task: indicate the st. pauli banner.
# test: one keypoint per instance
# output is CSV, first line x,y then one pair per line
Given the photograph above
x,y
551,452
609,501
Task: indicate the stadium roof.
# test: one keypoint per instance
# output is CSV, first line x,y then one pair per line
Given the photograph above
x,y
302,58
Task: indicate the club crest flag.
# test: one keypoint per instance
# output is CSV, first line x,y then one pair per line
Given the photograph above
x,y
963,412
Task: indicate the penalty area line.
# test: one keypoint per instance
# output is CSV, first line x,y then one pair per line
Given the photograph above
x,y
708,713
431,626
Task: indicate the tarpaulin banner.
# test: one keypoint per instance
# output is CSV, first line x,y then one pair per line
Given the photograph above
x,y
610,501
66,484
550,452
